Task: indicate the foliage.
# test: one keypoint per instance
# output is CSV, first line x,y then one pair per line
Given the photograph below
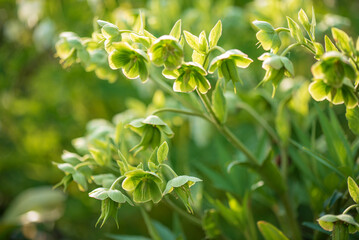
x,y
197,146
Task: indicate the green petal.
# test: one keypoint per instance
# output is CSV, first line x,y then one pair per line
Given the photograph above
x,y
118,59
184,83
117,196
350,99
131,70
288,65
166,130
202,83
170,74
142,193
133,178
319,90
213,65
155,192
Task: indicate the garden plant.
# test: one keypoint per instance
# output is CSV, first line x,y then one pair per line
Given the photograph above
x,y
286,145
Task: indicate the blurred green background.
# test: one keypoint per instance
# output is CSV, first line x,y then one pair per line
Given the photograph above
x,y
43,106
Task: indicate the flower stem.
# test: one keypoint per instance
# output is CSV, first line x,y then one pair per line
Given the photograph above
x,y
116,181
285,51
183,213
182,112
169,168
350,208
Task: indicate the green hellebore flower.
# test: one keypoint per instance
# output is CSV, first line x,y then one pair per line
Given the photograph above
x,y
276,68
144,185
132,61
152,129
180,185
327,222
70,49
332,68
166,51
227,62
267,36
333,80
188,77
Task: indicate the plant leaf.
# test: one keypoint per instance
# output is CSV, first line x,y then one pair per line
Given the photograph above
x,y
270,232
176,30
215,34
353,189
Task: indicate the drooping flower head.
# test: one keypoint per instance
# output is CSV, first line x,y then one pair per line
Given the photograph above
x,y
188,77
132,61
144,185
333,79
227,64
166,51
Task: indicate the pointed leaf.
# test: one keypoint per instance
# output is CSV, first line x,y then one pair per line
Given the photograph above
x,y
162,152
176,30
270,232
353,189
215,34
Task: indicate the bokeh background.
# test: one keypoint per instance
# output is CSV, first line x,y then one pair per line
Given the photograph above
x,y
43,106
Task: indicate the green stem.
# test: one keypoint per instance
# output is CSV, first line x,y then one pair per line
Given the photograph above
x,y
238,144
225,131
182,112
183,213
169,168
285,51
116,181
282,29
83,164
350,208
296,234
259,119
340,231
169,90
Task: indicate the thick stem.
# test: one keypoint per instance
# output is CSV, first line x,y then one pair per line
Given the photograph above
x,y
292,222
340,231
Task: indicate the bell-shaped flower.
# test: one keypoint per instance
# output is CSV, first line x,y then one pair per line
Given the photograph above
x,y
70,49
333,79
180,185
227,64
188,77
166,51
152,131
267,36
276,68
132,61
144,185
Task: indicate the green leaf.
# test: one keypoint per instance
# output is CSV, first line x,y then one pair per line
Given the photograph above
x,y
118,196
352,116
203,43
353,189
192,41
215,34
327,222
343,41
162,152
80,179
295,30
282,122
329,45
303,19
313,24
176,30
66,167
219,103
262,25
99,193
179,182
270,232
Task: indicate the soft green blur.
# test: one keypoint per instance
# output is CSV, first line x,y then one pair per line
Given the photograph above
x,y
43,107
